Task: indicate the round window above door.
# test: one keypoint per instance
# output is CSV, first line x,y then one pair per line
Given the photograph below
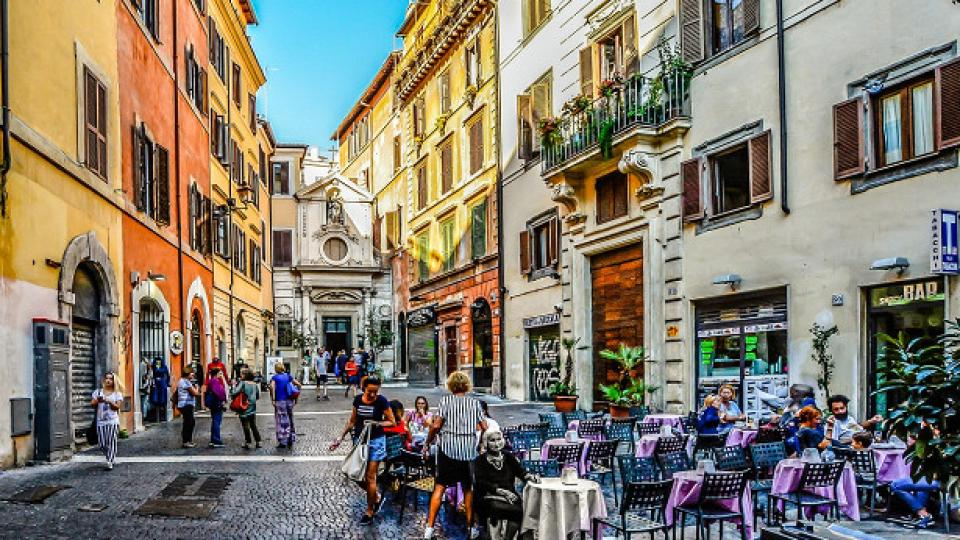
x,y
335,249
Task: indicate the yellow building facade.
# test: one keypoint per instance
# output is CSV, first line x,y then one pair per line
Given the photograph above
x,y
243,304
446,89
60,226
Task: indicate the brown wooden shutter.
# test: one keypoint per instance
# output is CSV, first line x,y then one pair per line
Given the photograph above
x,y
620,195
691,197
378,233
751,16
524,127
422,195
761,188
203,102
446,167
252,100
391,222
691,30
163,185
553,245
948,104
586,71
138,180
629,45
476,146
525,253
848,138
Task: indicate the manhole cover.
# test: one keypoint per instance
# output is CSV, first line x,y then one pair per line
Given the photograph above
x,y
35,495
187,496
178,508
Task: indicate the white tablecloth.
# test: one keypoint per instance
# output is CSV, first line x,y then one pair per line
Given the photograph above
x,y
554,509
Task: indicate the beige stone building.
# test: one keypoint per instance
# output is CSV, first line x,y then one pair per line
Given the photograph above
x,y
809,200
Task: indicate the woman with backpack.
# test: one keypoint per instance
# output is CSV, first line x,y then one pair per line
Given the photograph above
x,y
284,391
245,396
186,400
215,397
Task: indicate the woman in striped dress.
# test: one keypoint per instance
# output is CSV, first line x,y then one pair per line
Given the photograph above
x,y
457,421
108,401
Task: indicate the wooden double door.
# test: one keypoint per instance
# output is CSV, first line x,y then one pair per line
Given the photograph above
x,y
617,307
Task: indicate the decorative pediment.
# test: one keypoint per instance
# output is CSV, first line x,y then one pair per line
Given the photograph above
x,y
284,310
336,296
606,15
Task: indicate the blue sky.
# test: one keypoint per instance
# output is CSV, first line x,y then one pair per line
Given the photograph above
x,y
318,56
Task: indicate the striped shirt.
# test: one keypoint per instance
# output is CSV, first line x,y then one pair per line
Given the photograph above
x,y
458,436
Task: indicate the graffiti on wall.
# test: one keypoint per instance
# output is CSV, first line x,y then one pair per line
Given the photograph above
x,y
544,364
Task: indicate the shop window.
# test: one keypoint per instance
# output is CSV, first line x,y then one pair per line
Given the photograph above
x,y
540,246
611,196
281,178
710,28
532,106
533,14
282,248
735,176
95,123
285,334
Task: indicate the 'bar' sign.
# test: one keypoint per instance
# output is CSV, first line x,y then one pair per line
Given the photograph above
x,y
944,258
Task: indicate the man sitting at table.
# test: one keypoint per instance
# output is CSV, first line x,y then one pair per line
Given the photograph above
x,y
496,473
842,425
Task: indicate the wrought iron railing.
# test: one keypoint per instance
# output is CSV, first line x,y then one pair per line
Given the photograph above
x,y
639,101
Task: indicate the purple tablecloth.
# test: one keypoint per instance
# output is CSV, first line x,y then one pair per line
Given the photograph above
x,y
581,463
686,491
672,420
741,437
891,465
786,478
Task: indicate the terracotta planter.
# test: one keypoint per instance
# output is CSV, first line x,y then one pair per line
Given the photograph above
x,y
565,403
617,411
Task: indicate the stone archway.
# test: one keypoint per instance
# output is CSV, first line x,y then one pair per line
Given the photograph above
x,y
85,254
147,295
198,292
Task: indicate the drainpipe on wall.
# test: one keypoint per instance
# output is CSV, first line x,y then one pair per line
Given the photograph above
x,y
229,233
782,96
5,88
184,310
500,286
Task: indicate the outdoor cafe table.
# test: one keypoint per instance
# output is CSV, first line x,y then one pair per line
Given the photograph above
x,y
647,445
556,510
581,463
686,491
786,478
743,437
891,465
672,420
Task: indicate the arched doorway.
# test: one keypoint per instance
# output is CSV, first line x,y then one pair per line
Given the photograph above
x,y
196,349
85,348
482,343
152,341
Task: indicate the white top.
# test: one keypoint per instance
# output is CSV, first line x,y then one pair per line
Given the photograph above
x,y
105,414
843,430
183,393
320,363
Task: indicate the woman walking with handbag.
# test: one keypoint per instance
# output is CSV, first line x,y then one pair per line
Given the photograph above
x,y
186,394
284,390
215,398
245,396
370,408
107,401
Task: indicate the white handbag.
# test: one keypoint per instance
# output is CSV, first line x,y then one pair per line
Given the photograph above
x,y
354,466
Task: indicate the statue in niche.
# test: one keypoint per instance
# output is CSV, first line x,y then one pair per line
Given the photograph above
x,y
335,209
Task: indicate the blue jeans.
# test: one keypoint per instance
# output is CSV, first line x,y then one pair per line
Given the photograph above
x,y
914,495
216,417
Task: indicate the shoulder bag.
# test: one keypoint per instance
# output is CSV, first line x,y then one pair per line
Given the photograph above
x,y
354,466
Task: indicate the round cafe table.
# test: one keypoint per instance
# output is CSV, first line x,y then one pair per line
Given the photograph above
x,y
742,437
556,510
672,420
891,465
686,491
786,478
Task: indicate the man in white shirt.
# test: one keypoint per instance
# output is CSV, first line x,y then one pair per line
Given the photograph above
x,y
320,365
842,425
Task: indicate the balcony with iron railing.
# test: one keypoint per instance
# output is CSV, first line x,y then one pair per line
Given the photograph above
x,y
638,104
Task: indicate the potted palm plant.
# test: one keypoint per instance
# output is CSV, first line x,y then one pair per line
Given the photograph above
x,y
629,390
564,391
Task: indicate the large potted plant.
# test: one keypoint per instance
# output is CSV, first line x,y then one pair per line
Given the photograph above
x,y
564,391
629,389
920,378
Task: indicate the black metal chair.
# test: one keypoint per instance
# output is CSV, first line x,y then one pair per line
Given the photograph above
x,y
765,435
731,458
556,432
673,462
623,430
665,445
522,442
765,457
640,411
566,454
689,423
553,420
418,478
648,428
637,469
643,510
814,475
574,415
592,428
536,427
716,488
705,444
600,463
547,468
865,471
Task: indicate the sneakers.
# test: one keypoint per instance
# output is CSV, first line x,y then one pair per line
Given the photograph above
x,y
109,465
428,533
925,521
474,532
326,398
190,445
366,520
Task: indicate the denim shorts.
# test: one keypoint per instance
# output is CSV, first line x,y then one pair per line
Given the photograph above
x,y
378,448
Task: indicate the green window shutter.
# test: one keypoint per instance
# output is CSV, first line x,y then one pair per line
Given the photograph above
x,y
478,231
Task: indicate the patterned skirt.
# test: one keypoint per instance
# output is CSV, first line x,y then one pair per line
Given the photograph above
x,y
283,417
